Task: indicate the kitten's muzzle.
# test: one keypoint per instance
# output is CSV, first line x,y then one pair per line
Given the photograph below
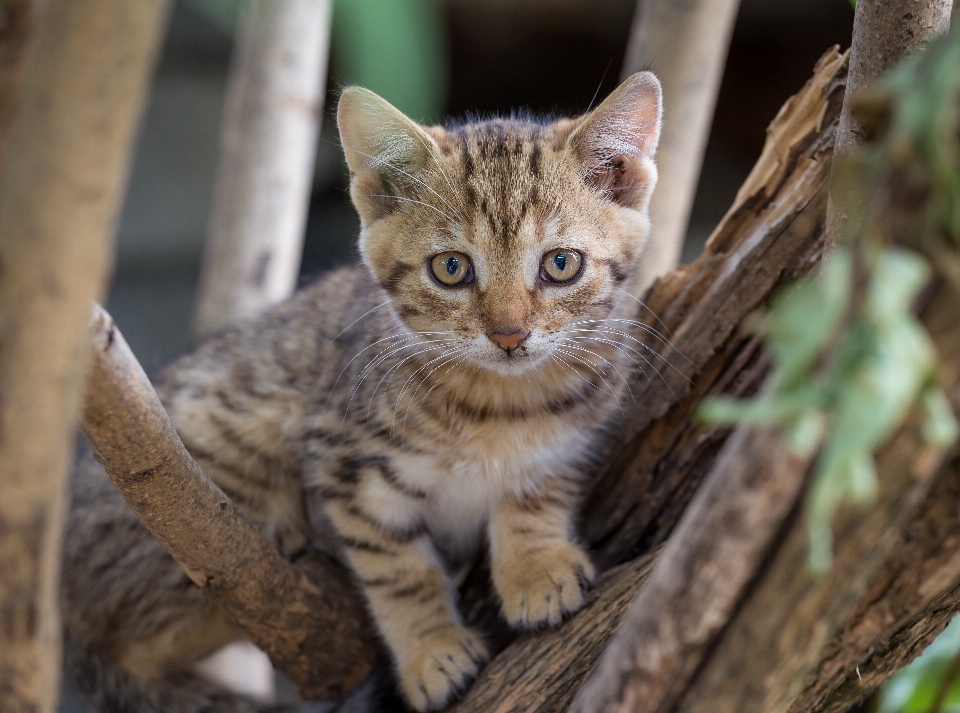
x,y
508,341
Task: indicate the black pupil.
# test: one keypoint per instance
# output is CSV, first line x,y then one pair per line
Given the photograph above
x,y
453,264
560,260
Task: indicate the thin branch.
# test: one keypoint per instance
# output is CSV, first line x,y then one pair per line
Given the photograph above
x,y
884,33
315,630
686,44
268,146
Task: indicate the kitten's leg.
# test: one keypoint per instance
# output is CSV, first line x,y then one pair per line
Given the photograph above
x,y
538,572
412,601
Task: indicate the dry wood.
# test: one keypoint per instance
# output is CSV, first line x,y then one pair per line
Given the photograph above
x,y
83,84
699,578
686,44
774,647
268,145
314,629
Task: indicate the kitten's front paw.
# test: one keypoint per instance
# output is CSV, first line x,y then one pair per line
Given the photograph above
x,y
438,667
540,589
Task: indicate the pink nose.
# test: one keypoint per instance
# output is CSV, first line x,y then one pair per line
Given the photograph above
x,y
509,342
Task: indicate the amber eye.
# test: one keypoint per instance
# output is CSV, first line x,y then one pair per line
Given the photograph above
x,y
561,265
451,269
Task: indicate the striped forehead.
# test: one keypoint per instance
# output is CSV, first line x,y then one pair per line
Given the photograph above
x,y
507,171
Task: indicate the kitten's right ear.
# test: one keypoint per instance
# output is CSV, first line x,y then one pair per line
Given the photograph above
x,y
384,150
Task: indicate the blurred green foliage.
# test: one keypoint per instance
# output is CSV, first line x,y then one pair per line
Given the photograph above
x,y
396,48
850,359
845,374
930,684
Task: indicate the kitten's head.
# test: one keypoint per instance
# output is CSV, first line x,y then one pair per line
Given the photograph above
x,y
503,233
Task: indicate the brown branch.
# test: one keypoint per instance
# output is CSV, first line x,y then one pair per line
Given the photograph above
x,y
84,78
314,629
700,577
771,650
884,33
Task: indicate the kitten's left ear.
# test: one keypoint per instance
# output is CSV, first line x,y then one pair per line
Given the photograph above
x,y
616,142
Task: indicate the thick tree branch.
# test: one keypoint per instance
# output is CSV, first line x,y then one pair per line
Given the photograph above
x,y
65,166
314,629
774,645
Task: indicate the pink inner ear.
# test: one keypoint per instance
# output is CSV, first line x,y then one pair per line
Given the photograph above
x,y
619,137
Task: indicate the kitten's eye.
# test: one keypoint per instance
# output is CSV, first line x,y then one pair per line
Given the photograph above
x,y
452,269
561,265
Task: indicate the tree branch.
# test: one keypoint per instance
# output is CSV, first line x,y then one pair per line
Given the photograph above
x,y
268,146
686,45
314,629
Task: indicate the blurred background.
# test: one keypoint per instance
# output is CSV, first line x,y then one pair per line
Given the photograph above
x,y
432,59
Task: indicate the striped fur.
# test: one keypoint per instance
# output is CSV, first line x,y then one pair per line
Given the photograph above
x,y
372,415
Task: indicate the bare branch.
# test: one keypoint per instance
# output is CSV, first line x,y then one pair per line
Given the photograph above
x,y
84,81
884,33
268,146
686,44
315,630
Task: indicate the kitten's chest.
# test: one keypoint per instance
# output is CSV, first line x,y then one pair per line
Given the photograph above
x,y
509,460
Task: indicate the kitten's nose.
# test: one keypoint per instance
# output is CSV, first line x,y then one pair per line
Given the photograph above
x,y
509,342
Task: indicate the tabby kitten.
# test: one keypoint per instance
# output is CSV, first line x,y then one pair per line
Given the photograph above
x,y
446,393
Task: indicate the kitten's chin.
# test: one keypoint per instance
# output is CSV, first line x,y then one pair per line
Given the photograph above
x,y
515,364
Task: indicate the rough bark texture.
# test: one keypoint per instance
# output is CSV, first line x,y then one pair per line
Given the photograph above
x,y
699,578
686,44
884,33
83,84
781,650
268,145
315,628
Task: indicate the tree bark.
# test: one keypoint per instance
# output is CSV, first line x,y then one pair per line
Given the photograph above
x,y
66,158
268,146
774,652
686,44
315,629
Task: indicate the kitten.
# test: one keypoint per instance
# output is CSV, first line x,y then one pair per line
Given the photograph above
x,y
399,414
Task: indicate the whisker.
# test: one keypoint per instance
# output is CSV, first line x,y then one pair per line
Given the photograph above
x,y
570,345
365,314
412,200
644,305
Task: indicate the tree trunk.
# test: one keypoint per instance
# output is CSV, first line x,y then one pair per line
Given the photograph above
x,y
84,81
686,44
268,146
